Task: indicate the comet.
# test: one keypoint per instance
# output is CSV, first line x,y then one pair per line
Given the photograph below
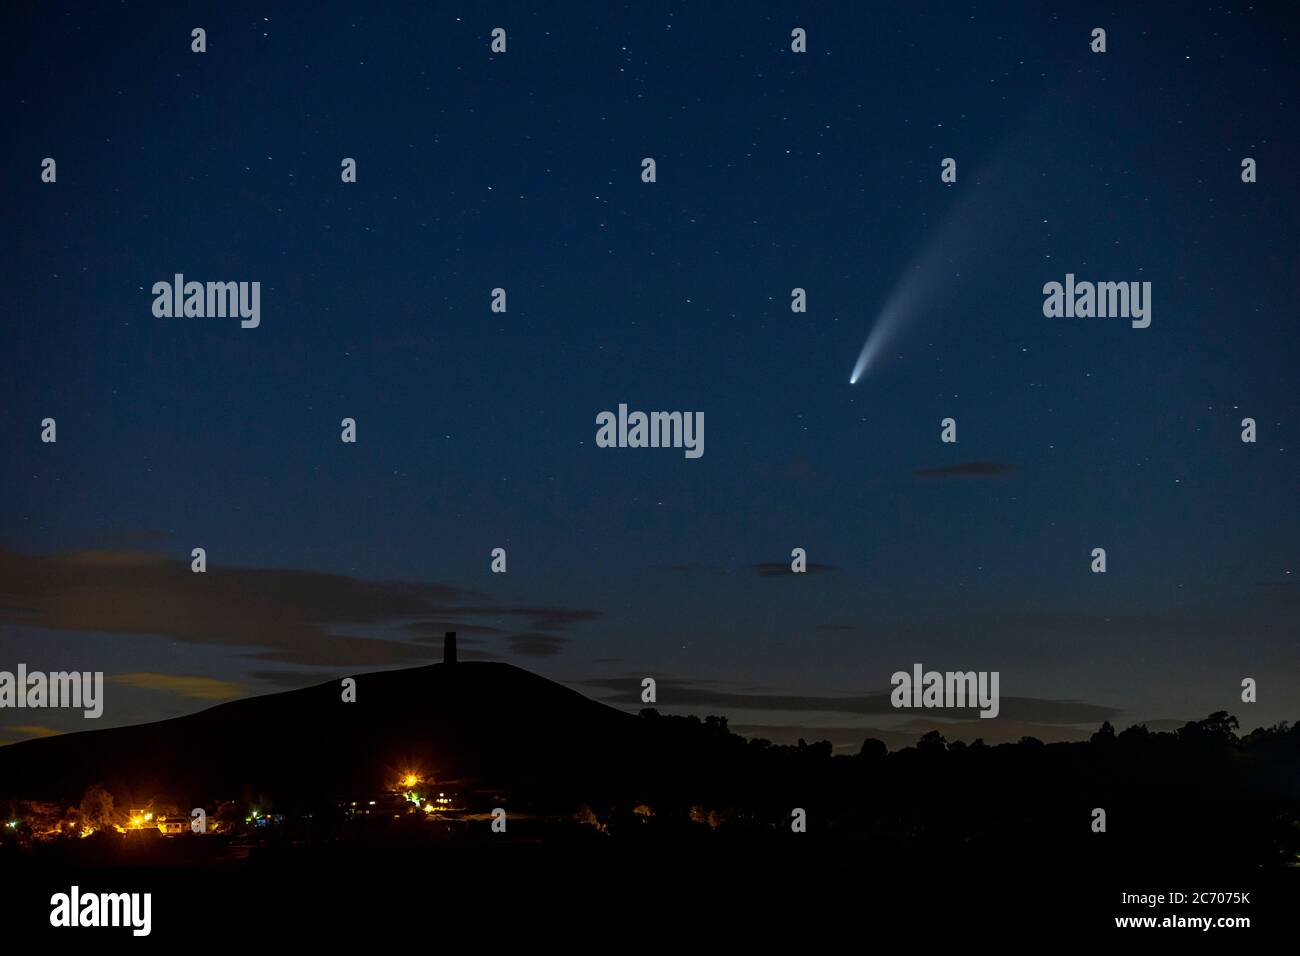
x,y
919,286
886,326
988,207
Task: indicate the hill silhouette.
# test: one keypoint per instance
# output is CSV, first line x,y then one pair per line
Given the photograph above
x,y
487,721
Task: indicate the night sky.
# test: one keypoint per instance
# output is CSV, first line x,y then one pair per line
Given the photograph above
x,y
476,430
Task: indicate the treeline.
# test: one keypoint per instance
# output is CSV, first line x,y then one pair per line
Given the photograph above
x,y
1198,792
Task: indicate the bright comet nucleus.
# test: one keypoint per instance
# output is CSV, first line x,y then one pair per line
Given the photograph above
x,y
978,215
882,330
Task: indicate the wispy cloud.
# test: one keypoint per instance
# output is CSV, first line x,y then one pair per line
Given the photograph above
x,y
969,469
536,618
183,685
34,730
279,615
536,645
773,569
678,693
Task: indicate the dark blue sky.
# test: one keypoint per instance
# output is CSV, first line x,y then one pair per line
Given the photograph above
x,y
476,430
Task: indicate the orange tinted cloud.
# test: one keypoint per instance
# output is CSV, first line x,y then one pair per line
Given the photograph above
x,y
183,685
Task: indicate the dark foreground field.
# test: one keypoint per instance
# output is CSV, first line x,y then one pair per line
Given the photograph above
x,y
650,891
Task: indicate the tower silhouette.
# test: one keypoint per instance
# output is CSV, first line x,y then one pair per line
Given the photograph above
x,y
449,648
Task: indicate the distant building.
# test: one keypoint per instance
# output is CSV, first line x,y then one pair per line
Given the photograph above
x,y
138,818
445,800
449,648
